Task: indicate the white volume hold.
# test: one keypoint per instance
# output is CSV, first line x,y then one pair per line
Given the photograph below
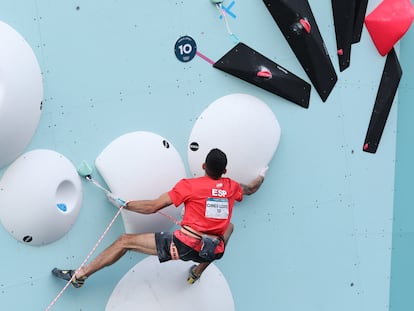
x,y
158,287
40,197
142,165
21,94
243,127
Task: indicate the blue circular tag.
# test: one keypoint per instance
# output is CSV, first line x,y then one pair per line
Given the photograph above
x,y
185,49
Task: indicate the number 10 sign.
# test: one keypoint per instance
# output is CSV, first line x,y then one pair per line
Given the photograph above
x,y
185,49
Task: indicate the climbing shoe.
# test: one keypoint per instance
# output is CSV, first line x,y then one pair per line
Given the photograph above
x,y
192,276
68,275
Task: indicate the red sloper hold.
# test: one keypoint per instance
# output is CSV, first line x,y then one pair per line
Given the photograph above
x,y
388,22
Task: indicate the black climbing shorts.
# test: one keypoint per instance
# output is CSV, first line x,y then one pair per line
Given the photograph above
x,y
163,241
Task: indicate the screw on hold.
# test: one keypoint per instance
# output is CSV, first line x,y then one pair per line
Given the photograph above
x,y
194,146
27,239
166,144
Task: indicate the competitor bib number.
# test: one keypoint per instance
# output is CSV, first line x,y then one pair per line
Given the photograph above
x,y
217,208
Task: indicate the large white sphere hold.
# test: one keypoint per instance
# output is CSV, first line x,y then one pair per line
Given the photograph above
x,y
158,287
139,166
40,197
243,127
21,94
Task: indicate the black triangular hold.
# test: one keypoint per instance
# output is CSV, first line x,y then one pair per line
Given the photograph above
x,y
297,23
360,11
390,80
247,64
344,20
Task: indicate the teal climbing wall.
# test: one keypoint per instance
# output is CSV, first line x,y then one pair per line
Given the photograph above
x,y
319,233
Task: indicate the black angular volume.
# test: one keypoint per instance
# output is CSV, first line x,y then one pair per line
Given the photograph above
x,y
247,64
344,20
297,23
390,80
360,12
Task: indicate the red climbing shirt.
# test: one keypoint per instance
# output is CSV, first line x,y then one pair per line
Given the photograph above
x,y
208,202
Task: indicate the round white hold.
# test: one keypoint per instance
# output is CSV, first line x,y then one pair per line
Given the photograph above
x,y
139,166
40,197
243,127
21,94
153,286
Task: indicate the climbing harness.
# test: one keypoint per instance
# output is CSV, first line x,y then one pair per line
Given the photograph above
x,y
209,243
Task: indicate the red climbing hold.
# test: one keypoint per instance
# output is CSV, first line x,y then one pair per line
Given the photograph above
x,y
264,73
388,22
305,24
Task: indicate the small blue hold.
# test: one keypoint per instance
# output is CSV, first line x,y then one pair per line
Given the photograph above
x,y
62,207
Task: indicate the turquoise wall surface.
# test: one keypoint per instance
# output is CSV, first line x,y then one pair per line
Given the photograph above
x,y
402,271
319,233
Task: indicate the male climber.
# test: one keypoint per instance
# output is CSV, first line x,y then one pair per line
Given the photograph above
x,y
205,227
